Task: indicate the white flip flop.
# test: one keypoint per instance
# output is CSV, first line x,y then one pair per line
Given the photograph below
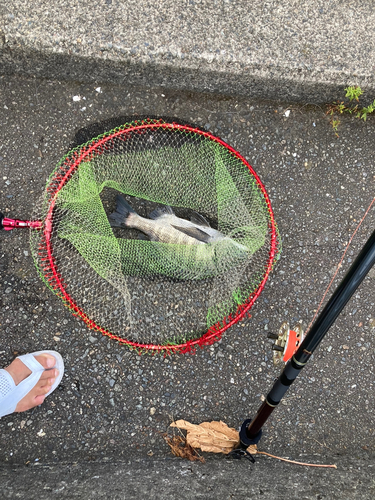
x,y
11,394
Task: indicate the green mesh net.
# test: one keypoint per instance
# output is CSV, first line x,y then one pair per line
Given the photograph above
x,y
154,293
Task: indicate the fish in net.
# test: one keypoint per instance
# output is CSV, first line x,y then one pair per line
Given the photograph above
x,y
153,293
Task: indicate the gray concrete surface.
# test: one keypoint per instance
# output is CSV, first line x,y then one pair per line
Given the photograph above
x,y
174,479
281,49
114,406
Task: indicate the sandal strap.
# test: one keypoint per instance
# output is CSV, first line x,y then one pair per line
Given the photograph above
x,y
6,384
31,362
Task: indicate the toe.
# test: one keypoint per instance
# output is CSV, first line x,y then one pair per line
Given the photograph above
x,y
49,373
45,389
46,360
26,404
39,400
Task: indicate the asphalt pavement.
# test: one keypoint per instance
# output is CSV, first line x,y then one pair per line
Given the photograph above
x,y
102,431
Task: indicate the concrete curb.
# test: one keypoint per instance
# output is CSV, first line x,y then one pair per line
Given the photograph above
x,y
175,478
278,84
271,51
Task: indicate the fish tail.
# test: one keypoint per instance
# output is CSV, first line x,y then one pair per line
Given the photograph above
x,y
123,210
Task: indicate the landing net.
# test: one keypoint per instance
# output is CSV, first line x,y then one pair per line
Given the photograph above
x,y
150,295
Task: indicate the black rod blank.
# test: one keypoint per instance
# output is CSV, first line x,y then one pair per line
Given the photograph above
x,y
354,277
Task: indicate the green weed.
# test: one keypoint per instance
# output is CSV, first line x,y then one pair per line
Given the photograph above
x,y
340,107
353,93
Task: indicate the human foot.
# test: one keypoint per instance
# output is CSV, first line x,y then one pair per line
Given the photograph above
x,y
19,371
26,382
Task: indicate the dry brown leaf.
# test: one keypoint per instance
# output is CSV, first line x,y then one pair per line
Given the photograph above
x,y
183,424
229,432
180,448
252,449
214,437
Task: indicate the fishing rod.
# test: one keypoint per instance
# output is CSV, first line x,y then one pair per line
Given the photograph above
x,y
251,429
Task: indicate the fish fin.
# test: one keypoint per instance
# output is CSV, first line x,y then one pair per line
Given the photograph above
x,y
143,237
123,206
160,211
153,237
123,209
197,218
194,232
116,220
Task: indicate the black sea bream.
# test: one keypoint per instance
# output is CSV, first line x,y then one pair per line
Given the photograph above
x,y
164,226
